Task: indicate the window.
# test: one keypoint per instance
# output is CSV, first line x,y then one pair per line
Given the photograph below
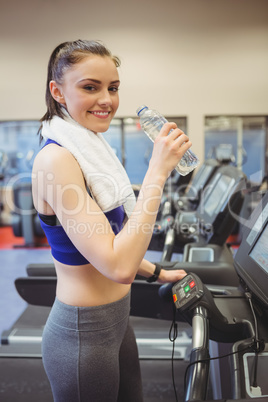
x,y
19,145
248,137
132,146
138,147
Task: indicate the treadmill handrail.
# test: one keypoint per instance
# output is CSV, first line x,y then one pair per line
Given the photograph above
x,y
198,373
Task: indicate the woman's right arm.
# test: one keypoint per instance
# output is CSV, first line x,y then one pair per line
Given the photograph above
x,y
116,257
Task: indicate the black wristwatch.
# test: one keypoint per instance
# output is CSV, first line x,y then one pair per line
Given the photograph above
x,y
155,275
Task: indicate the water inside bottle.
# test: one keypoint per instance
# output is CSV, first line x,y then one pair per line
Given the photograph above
x,y
152,127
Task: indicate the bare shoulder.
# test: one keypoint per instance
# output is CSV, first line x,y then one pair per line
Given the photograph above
x,y
53,166
57,160
53,154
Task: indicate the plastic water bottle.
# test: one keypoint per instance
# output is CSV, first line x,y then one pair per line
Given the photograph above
x,y
151,123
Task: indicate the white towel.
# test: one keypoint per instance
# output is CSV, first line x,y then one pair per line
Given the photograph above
x,y
104,174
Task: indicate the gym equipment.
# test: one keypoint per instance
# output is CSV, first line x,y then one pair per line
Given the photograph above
x,y
25,221
213,220
230,301
175,184
184,197
180,196
3,164
225,317
221,314
190,199
238,317
223,153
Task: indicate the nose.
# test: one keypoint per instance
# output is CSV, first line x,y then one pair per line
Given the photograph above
x,y
105,98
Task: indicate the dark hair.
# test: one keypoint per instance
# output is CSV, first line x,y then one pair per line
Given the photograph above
x,y
63,57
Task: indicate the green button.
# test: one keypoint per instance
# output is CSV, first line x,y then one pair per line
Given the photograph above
x,y
187,288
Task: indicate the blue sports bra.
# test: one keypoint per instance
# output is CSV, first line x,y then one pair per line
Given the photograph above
x,y
62,249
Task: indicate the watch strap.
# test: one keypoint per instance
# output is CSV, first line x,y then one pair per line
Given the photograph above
x,y
155,275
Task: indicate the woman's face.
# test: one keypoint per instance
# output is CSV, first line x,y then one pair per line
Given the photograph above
x,y
90,92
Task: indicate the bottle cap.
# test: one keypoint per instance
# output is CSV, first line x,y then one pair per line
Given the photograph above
x,y
140,109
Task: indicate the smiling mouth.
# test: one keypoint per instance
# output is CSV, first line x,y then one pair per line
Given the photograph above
x,y
101,115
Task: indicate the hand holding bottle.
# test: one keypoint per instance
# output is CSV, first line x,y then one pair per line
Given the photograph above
x,y
152,123
169,147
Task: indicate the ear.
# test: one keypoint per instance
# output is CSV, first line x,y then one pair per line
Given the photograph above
x,y
56,92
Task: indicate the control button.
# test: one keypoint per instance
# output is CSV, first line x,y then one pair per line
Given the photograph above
x,y
187,288
192,284
175,298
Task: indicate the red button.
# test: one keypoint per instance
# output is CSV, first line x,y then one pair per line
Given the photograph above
x,y
192,284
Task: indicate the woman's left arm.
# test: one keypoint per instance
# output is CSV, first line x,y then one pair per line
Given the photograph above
x,y
147,270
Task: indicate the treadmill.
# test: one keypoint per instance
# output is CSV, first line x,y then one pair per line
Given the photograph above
x,y
181,198
190,198
213,220
236,317
228,319
219,315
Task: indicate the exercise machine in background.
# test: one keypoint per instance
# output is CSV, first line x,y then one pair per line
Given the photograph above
x,y
185,195
25,221
237,316
3,164
211,223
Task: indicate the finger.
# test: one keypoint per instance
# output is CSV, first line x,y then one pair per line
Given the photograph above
x,y
167,127
181,273
174,134
181,139
185,146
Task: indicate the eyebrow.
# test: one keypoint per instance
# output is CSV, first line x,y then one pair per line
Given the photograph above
x,y
99,82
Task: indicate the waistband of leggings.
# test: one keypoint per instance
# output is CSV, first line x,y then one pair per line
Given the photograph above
x,y
89,318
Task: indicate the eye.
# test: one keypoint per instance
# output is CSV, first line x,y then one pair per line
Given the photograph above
x,y
89,88
114,89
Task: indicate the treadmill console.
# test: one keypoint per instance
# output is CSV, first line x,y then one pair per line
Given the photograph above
x,y
187,292
250,260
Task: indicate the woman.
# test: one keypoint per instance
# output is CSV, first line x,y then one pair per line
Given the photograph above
x,y
97,231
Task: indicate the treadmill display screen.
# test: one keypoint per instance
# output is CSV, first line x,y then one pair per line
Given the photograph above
x,y
218,195
258,225
199,181
205,174
259,253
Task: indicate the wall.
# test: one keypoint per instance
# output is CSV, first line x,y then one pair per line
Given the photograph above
x,y
182,57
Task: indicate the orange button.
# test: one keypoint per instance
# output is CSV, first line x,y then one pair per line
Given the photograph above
x,y
175,298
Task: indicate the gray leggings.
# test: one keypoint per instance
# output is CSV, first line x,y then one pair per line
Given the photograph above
x,y
90,353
